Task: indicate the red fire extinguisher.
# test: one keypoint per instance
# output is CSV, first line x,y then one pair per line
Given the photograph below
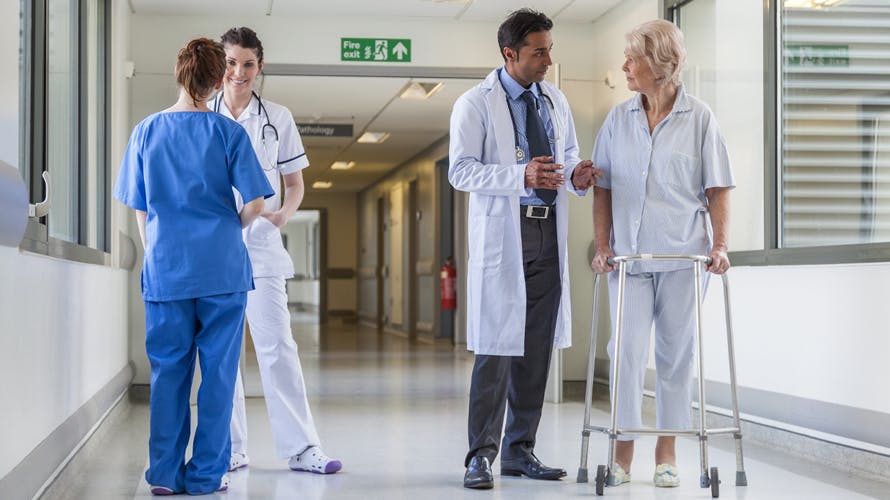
x,y
448,279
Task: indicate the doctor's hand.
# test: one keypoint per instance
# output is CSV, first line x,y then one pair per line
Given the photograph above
x,y
584,176
277,217
540,173
600,263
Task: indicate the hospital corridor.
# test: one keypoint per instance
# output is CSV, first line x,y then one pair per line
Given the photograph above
x,y
416,249
394,411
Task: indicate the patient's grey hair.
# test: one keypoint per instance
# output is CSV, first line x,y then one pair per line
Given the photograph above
x,y
660,43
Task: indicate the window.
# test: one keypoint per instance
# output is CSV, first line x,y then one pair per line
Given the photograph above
x,y
834,152
10,13
724,68
64,124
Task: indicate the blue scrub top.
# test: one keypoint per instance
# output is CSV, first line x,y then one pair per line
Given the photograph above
x,y
180,168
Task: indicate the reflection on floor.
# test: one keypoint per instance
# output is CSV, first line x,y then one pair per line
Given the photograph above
x,y
395,413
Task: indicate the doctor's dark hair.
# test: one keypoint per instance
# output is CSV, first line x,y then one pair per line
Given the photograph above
x,y
244,37
518,25
200,66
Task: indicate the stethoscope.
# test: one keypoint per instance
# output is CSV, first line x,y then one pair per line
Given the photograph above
x,y
267,130
520,154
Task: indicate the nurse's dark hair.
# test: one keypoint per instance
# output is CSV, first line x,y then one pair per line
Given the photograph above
x,y
518,25
200,66
245,38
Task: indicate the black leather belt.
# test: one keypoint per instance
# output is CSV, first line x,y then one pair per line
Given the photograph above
x,y
536,211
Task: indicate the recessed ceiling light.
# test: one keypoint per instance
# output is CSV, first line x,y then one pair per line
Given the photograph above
x,y
420,90
342,165
810,4
373,137
322,185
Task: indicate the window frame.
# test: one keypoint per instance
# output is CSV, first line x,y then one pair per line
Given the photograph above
x,y
33,140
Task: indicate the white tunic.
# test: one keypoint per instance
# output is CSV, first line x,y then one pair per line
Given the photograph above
x,y
262,238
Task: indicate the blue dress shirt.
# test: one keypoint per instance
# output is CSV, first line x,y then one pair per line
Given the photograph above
x,y
518,109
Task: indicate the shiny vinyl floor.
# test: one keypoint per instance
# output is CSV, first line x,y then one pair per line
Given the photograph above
x,y
394,412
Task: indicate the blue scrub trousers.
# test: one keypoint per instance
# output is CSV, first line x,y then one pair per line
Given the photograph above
x,y
175,332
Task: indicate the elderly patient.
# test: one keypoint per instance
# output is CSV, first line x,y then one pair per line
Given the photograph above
x,y
665,191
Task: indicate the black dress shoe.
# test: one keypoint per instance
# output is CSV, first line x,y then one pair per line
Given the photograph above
x,y
530,467
479,474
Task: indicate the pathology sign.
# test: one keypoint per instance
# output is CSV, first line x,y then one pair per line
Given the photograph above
x,y
375,49
817,55
325,129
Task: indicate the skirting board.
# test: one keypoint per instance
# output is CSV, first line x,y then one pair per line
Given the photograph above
x,y
31,476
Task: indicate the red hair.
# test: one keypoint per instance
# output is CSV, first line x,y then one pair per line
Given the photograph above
x,y
200,66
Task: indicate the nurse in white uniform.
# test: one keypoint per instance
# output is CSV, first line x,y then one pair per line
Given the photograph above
x,y
279,149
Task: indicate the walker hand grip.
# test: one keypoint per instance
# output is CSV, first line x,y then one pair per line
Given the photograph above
x,y
616,259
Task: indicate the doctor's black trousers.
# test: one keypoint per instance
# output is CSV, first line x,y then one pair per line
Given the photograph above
x,y
517,383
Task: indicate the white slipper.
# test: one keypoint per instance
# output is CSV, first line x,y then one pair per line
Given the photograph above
x,y
238,461
314,460
666,476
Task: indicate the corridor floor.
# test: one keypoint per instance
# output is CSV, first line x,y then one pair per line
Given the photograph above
x,y
394,412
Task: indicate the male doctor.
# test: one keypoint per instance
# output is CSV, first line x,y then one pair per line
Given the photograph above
x,y
512,148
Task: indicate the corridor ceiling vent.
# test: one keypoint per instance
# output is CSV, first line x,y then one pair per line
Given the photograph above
x,y
373,137
420,90
342,165
810,4
322,185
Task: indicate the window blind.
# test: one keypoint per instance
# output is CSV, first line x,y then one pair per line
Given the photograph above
x,y
835,123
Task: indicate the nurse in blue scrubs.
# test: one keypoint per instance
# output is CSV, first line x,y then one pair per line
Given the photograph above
x,y
178,173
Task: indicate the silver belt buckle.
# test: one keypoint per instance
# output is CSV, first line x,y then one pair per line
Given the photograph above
x,y
537,212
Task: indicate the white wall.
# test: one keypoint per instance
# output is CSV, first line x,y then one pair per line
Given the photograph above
x,y
9,85
317,42
64,337
814,332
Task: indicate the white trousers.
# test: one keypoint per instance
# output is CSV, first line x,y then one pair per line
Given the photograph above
x,y
283,388
667,301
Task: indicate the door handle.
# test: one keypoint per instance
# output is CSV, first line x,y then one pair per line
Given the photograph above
x,y
40,209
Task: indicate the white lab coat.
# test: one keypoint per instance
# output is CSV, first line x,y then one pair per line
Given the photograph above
x,y
483,163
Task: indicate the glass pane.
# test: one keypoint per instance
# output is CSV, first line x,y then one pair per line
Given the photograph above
x,y
61,123
11,49
835,154
724,68
93,145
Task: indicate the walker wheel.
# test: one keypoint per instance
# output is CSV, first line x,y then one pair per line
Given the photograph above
x,y
715,483
601,474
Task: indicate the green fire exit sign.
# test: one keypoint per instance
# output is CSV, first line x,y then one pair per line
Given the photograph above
x,y
375,49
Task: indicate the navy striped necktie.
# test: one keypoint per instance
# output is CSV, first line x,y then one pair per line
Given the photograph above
x,y
538,144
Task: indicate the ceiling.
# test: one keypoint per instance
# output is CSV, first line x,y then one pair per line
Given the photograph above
x,y
369,103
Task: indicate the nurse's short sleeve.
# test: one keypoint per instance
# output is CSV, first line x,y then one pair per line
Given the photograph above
x,y
291,153
130,186
602,151
245,172
716,169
